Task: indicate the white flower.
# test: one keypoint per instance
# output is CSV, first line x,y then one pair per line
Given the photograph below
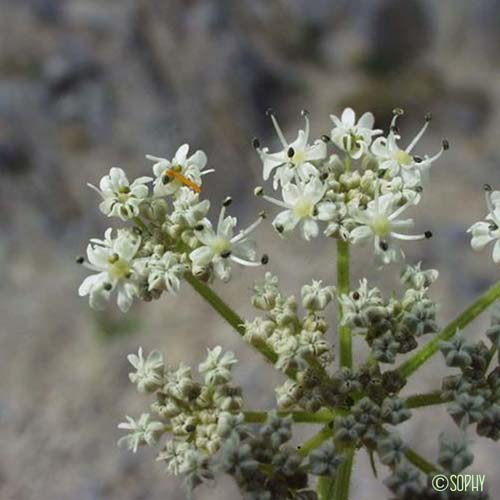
x,y
121,199
222,245
217,366
149,372
378,223
402,191
164,272
188,209
397,161
351,137
113,261
487,231
295,158
174,454
301,202
182,170
143,432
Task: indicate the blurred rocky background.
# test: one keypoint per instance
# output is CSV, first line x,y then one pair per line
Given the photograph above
x,y
88,84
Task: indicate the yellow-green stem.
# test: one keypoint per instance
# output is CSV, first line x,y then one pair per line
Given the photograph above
x,y
343,286
419,358
321,416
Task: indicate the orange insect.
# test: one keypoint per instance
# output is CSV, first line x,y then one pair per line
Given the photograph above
x,y
184,180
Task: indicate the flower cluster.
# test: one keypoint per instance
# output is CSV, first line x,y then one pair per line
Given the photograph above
x,y
171,234
356,185
474,395
360,205
296,340
392,326
208,434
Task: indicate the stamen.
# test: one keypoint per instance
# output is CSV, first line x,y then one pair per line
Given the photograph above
x,y
264,259
107,286
256,143
355,295
384,246
278,131
258,191
418,136
325,138
279,228
227,201
226,254
446,144
290,153
199,227
80,260
428,117
428,234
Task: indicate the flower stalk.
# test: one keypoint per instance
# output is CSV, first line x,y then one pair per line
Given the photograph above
x,y
343,285
420,357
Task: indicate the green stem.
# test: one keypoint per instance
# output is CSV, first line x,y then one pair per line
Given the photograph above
x,y
343,285
421,400
226,312
420,462
321,416
343,478
419,358
317,440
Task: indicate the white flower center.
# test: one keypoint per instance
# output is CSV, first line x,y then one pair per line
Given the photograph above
x,y
303,208
381,226
220,246
402,157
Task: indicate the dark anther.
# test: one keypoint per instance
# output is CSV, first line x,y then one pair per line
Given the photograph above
x,y
290,153
325,138
199,227
279,228
263,214
315,212
165,179
304,112
355,295
492,226
269,112
417,159
428,117
256,143
226,254
446,144
264,259
80,260
107,286
398,111
487,187
324,176
419,189
227,201
394,129
190,428
428,234
384,246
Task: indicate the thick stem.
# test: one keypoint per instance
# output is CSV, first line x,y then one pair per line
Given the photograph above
x,y
420,462
343,286
419,358
317,440
226,312
321,416
421,400
343,478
